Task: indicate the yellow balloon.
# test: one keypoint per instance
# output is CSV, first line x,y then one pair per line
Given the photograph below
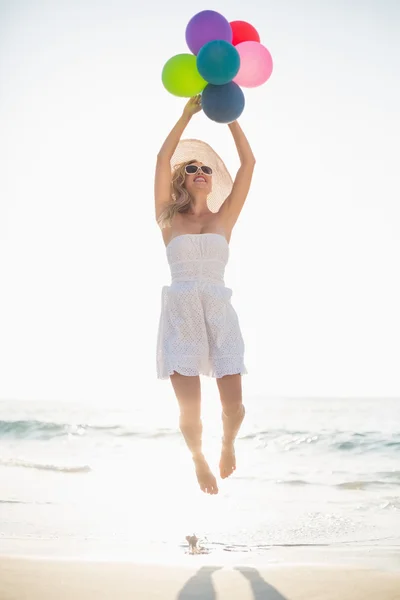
x,y
181,77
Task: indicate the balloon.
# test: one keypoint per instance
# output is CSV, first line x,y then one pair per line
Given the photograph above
x,y
243,32
223,103
218,62
181,77
206,26
255,64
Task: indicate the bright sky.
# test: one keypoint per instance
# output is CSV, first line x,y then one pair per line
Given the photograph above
x,y
314,257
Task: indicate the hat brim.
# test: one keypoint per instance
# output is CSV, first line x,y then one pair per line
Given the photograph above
x,y
192,149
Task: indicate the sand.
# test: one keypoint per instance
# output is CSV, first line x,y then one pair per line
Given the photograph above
x,y
60,579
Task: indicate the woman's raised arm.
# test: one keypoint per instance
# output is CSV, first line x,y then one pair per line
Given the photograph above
x,y
162,181
235,201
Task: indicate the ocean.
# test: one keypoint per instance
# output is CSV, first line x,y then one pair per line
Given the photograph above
x,y
310,472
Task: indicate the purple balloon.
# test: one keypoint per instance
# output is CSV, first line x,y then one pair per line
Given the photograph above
x,y
207,26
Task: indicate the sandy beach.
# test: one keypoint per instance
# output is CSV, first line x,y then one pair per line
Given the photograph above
x,y
44,579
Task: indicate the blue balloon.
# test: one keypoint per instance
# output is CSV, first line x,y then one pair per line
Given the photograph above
x,y
218,62
223,103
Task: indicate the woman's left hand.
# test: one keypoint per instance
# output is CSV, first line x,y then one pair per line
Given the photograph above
x,y
193,106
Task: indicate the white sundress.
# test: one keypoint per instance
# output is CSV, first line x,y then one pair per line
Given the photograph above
x,y
199,331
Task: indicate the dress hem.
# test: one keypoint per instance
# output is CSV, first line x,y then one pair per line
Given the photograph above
x,y
214,374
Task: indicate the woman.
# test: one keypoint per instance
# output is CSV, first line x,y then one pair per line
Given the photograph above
x,y
199,332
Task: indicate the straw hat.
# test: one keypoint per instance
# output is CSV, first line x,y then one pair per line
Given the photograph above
x,y
222,181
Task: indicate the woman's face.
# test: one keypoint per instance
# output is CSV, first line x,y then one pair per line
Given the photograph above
x,y
198,181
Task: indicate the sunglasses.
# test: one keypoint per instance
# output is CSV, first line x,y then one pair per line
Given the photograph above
x,y
192,169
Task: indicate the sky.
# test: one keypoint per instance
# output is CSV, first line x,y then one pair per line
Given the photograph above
x,y
314,257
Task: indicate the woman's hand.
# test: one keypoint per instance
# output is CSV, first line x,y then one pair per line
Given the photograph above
x,y
168,148
193,106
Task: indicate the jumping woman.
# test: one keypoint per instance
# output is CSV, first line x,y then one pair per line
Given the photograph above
x,y
197,205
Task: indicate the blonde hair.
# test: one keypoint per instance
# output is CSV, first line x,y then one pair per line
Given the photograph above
x,y
180,197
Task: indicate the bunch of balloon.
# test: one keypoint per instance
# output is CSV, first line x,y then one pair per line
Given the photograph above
x,y
226,56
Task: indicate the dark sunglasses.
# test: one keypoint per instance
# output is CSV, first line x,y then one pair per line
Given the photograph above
x,y
192,169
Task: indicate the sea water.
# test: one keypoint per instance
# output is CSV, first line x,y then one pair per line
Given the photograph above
x,y
310,472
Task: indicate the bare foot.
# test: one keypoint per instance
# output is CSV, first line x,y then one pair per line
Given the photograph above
x,y
227,463
206,479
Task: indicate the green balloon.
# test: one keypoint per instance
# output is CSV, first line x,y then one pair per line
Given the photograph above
x,y
181,77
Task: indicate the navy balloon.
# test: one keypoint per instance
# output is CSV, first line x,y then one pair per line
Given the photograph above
x,y
222,103
218,62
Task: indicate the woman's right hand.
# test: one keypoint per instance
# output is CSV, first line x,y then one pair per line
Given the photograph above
x,y
193,106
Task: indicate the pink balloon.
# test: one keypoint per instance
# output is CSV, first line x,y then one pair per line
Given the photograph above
x,y
255,64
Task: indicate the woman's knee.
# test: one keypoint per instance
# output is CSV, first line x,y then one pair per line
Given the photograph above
x,y
232,406
189,414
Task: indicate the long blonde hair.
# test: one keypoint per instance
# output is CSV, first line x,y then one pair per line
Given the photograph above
x,y
180,197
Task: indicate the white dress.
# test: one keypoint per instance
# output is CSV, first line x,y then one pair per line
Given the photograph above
x,y
199,332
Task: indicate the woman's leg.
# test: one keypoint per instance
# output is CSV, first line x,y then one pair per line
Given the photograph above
x,y
188,393
230,391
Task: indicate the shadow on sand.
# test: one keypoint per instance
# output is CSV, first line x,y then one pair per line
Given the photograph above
x,y
200,586
260,588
